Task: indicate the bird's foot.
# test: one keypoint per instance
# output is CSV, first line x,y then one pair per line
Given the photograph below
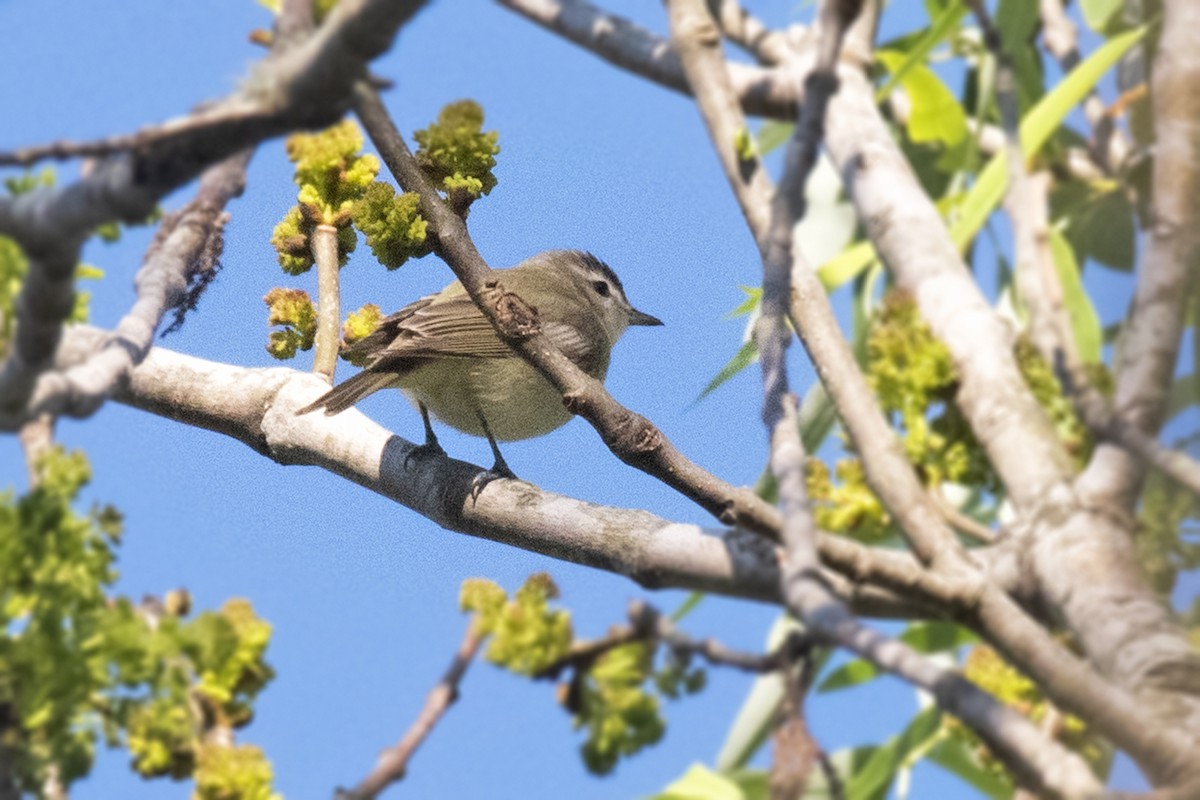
x,y
499,470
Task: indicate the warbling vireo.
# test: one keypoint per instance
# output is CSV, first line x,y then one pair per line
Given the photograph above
x,y
444,354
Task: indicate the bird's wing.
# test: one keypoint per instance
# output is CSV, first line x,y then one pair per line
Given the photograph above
x,y
431,327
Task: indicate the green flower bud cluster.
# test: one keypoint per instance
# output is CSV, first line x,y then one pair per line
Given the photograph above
x,y
292,309
457,154
241,772
76,663
1041,380
987,669
620,716
394,229
526,635
610,695
359,325
338,189
332,173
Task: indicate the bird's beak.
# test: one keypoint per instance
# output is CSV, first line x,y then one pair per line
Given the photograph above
x,y
638,318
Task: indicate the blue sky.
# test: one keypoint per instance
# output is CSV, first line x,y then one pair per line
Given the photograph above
x,y
363,593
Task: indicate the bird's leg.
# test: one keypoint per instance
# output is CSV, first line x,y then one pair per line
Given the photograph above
x,y
500,469
431,447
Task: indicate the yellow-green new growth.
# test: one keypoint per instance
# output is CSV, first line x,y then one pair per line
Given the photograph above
x,y
457,154
240,772
332,173
527,636
620,716
294,310
359,325
392,224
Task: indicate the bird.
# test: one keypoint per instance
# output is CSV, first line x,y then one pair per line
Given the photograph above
x,y
444,354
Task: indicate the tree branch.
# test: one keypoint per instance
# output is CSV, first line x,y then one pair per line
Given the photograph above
x,y
187,244
1037,761
761,92
300,86
393,762
1149,345
329,314
257,407
630,436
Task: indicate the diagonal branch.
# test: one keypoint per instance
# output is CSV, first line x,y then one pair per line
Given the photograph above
x,y
762,92
186,246
1037,761
393,762
630,436
1149,344
307,84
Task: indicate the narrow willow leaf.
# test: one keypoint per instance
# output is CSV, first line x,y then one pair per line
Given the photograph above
x,y
1185,392
1036,127
1085,323
946,21
701,783
852,673
936,115
876,776
955,755
746,355
988,191
773,134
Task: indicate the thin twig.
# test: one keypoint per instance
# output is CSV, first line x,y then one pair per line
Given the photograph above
x,y
393,762
325,255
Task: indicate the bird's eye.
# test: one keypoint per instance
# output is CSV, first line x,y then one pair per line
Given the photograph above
x,y
601,288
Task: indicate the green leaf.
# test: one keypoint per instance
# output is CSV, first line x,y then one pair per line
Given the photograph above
x,y
876,776
746,355
1085,323
936,114
1036,127
701,783
946,21
852,673
955,755
988,190
937,636
924,637
1100,14
773,134
687,606
1099,221
1185,392
817,417
747,306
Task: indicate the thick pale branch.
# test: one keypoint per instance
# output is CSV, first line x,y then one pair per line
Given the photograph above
x,y
188,242
1149,344
257,407
762,92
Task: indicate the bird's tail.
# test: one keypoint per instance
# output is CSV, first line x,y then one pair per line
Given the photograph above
x,y
350,391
